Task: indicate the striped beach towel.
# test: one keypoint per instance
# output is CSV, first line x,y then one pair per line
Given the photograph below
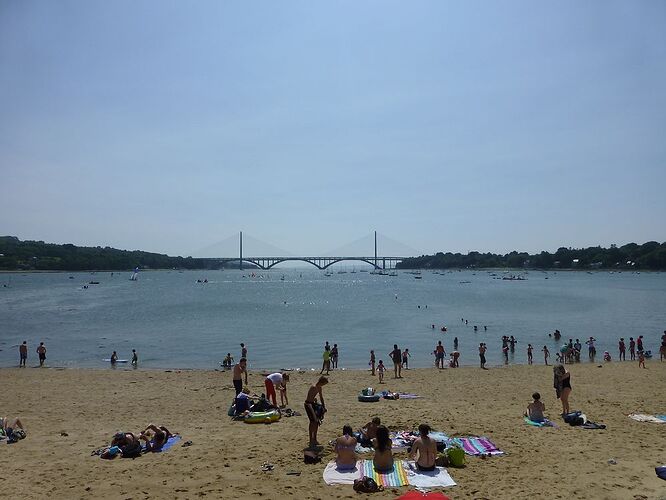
x,y
477,446
398,477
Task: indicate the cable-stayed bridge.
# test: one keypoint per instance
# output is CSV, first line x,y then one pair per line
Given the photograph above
x,y
321,261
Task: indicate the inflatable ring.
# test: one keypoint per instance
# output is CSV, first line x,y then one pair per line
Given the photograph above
x,y
262,417
369,399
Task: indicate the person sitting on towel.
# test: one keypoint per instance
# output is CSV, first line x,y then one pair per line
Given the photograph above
x,y
536,408
383,459
369,432
424,450
345,447
155,437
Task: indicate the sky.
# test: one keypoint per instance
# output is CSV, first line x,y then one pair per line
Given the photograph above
x,y
446,126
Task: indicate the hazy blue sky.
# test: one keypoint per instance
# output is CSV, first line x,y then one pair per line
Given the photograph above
x,y
492,126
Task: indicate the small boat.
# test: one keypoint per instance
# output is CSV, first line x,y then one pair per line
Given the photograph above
x,y
418,277
93,282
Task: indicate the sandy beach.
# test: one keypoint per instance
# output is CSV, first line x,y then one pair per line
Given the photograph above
x,y
225,458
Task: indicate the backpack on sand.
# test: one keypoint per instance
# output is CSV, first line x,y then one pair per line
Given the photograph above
x,y
367,485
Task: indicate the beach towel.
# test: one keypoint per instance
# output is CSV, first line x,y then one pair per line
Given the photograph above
x,y
642,417
661,472
545,423
170,442
397,477
438,478
405,395
334,476
477,446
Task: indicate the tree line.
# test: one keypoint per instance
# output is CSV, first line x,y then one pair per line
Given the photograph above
x,y
37,255
648,256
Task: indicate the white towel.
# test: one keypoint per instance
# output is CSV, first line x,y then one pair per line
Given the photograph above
x,y
438,478
334,476
641,417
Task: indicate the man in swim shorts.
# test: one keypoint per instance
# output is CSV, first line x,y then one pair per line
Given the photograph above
x,y
23,353
396,356
424,450
239,369
41,351
311,409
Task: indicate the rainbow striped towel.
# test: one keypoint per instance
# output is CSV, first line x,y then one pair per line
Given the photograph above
x,y
477,446
398,477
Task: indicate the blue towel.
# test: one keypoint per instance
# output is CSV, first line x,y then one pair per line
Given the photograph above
x,y
170,442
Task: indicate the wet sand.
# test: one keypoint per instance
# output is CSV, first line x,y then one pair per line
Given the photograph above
x,y
225,458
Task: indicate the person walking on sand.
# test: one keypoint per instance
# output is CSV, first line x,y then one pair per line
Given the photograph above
x,y
41,351
396,356
23,353
482,355
562,385
641,359
315,411
546,354
380,371
529,354
372,362
240,369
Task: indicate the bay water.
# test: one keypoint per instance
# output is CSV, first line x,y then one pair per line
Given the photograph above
x,y
174,319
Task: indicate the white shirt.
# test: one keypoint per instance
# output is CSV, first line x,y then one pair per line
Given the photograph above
x,y
276,378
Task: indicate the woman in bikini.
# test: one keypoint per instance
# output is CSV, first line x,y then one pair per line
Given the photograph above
x,y
424,450
383,459
345,447
562,384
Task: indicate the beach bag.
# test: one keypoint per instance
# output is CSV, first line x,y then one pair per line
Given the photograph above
x,y
366,485
456,456
132,450
319,411
311,457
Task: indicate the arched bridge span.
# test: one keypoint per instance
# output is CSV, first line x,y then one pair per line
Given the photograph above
x,y
319,262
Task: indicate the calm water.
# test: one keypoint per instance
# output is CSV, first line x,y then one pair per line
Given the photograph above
x,y
175,322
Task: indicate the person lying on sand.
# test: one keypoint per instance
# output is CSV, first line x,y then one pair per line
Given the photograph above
x,y
155,437
424,450
123,444
13,429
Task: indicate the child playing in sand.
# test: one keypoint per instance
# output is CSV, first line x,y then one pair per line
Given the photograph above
x,y
536,408
546,355
641,359
380,370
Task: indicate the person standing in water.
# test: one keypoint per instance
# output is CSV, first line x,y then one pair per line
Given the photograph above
x,y
41,351
623,350
529,354
23,353
372,362
135,358
114,358
482,355
243,351
546,354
